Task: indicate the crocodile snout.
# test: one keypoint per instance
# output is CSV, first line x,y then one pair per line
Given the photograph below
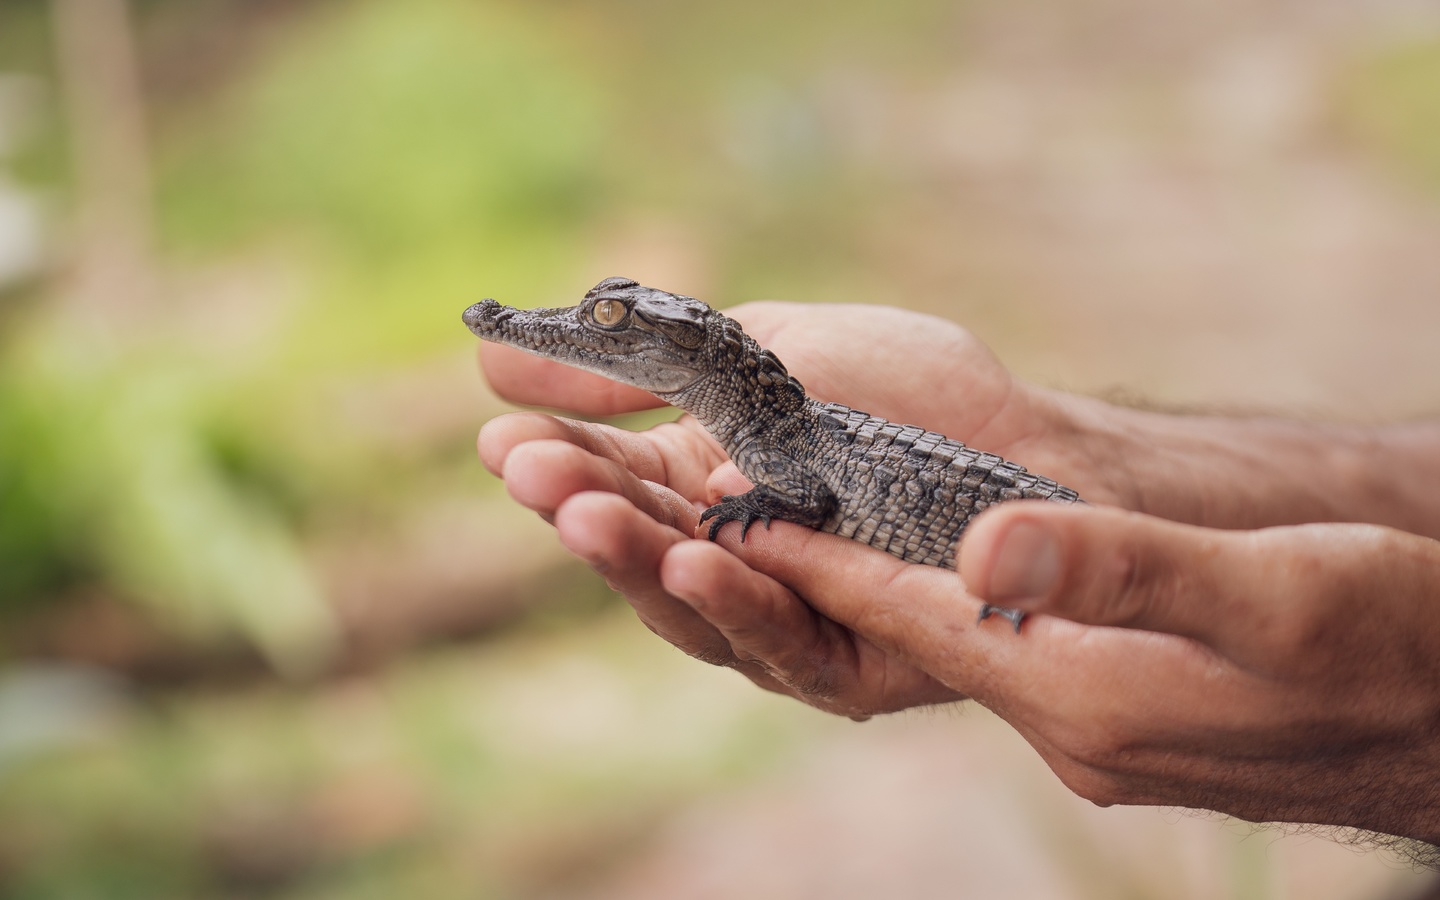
x,y
482,317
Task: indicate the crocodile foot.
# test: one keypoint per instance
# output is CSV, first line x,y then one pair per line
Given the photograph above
x,y
1014,615
743,508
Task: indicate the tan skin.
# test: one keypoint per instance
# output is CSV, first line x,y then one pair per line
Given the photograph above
x,y
1276,671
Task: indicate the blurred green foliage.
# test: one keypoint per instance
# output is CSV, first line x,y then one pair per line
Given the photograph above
x,y
118,464
399,141
404,165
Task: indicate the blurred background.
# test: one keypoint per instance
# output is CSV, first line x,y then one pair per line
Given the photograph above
x,y
267,628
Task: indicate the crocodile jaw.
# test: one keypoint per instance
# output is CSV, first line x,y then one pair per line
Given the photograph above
x,y
632,357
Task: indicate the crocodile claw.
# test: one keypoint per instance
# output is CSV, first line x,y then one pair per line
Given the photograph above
x,y
1014,615
732,508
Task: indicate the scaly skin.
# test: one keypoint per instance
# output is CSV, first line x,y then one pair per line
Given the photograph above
x,y
898,488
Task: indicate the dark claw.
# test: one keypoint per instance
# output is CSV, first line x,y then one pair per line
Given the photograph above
x,y
751,520
1014,615
716,525
726,511
716,513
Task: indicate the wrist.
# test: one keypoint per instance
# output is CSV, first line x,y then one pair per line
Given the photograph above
x,y
1088,444
1236,472
1225,472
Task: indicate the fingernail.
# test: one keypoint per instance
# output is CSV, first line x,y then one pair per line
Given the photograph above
x,y
1026,567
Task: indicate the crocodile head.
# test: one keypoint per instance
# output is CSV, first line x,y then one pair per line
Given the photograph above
x,y
622,330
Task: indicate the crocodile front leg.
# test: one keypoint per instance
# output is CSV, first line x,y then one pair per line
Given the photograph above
x,y
763,503
804,504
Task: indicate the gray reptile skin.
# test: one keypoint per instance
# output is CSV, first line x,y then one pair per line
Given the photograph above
x,y
899,488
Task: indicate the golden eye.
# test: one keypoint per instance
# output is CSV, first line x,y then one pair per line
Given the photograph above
x,y
608,312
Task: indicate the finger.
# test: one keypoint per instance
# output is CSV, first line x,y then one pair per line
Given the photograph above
x,y
543,474
524,378
1102,566
765,623
918,614
677,454
1057,676
724,480
625,545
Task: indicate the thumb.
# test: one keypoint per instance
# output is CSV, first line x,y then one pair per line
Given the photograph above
x,y
1102,566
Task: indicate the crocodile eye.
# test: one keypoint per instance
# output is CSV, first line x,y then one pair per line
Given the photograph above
x,y
608,312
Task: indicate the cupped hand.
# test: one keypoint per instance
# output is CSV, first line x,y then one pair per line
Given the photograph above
x,y
1287,674
624,501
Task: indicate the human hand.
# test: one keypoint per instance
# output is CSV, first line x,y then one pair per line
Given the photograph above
x,y
1287,674
657,480
1257,673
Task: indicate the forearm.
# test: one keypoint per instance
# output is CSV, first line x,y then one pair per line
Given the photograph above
x,y
1227,472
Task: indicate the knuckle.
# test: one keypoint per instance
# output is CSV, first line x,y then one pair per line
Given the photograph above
x,y
815,691
1127,576
1293,638
1104,766
838,706
1298,637
714,651
1295,632
1137,589
713,656
883,618
874,620
1097,745
810,682
1100,788
1151,576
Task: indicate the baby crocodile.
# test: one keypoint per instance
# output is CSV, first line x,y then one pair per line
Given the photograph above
x,y
899,488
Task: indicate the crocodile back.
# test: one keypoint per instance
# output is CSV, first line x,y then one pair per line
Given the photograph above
x,y
908,491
